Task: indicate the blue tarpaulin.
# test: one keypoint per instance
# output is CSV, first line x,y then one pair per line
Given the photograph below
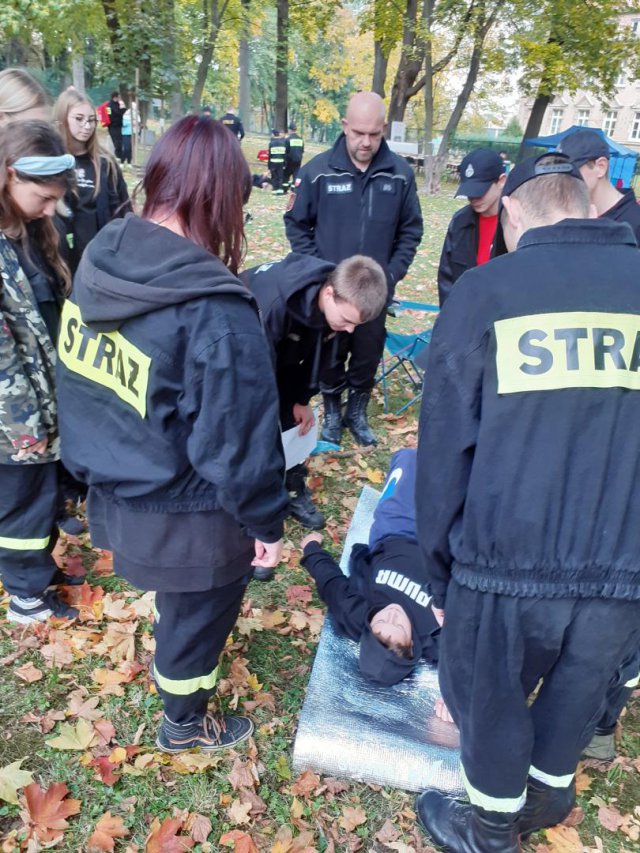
x,y
622,162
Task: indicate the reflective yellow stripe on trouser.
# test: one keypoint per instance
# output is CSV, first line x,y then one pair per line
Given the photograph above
x,y
14,544
493,804
186,686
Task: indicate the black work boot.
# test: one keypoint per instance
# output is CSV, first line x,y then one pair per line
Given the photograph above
x,y
356,417
545,806
332,421
301,507
459,828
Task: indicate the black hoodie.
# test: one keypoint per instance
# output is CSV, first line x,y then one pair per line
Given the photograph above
x,y
168,401
287,296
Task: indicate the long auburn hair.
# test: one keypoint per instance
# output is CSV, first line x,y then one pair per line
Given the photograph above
x,y
67,101
197,172
32,139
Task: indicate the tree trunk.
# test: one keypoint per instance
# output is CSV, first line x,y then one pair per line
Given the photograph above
x,y
244,95
534,122
212,24
380,63
411,58
427,145
77,71
282,56
456,114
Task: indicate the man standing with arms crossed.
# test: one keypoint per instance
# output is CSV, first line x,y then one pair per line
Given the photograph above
x,y
357,198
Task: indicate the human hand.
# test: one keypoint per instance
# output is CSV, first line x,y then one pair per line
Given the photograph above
x,y
303,415
268,554
442,712
439,615
311,537
40,447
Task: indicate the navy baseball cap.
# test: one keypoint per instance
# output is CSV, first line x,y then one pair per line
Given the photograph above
x,y
478,170
525,171
582,146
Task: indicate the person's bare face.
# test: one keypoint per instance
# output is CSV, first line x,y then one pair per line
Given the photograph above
x,y
34,200
392,625
487,204
363,128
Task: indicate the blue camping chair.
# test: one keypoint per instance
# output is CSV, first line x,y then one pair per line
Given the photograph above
x,y
400,353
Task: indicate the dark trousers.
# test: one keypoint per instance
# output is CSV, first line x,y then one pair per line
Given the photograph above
x,y
277,175
116,137
291,173
28,508
126,149
494,650
363,348
190,630
620,691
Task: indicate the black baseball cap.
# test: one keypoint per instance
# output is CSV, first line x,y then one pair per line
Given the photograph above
x,y
525,171
582,146
478,170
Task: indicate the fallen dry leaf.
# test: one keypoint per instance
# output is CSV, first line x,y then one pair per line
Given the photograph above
x,y
164,837
239,812
28,672
298,594
81,706
563,839
11,779
240,841
107,830
388,832
610,818
241,775
305,784
199,827
46,811
352,817
106,770
80,736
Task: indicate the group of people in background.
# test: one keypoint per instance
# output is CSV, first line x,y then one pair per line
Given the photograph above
x,y
506,548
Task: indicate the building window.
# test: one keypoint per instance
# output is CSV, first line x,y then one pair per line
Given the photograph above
x,y
635,28
609,123
583,118
635,127
556,121
621,79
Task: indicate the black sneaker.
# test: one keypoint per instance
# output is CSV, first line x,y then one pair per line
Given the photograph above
x,y
26,611
303,509
62,579
209,735
71,525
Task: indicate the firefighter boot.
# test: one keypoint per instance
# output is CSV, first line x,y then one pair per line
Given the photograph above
x,y
545,806
356,417
332,421
301,507
459,828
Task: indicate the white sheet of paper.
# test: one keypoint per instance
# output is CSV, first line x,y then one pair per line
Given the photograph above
x,y
298,447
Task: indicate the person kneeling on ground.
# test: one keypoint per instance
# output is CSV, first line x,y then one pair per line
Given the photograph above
x,y
304,302
385,603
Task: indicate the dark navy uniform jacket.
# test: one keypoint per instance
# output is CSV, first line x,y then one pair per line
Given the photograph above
x,y
460,250
626,210
528,478
340,211
166,391
287,295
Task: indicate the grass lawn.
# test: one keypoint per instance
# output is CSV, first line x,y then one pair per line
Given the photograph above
x,y
77,707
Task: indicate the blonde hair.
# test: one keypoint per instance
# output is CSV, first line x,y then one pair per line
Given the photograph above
x,y
32,139
19,92
66,102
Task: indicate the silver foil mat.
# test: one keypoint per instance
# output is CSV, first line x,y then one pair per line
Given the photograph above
x,y
388,736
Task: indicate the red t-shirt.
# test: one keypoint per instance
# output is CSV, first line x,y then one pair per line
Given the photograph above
x,y
487,231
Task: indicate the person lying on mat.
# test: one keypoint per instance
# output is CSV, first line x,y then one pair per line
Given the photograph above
x,y
385,603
